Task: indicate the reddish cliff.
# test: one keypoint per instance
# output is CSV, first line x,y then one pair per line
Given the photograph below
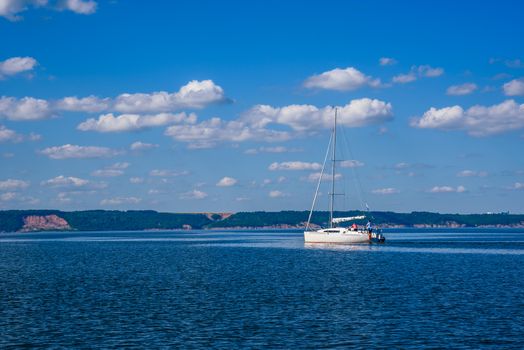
x,y
44,223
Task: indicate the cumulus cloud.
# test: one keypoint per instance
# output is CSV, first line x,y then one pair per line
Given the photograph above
x,y
275,149
194,194
476,121
120,200
17,197
518,186
463,89
295,165
73,151
16,65
359,112
351,164
227,182
404,78
472,173
341,79
447,189
89,104
276,194
8,135
142,146
133,122
429,72
314,177
81,6
13,184
136,180
65,181
514,88
27,108
195,94
387,61
210,132
167,173
10,9
385,191
113,170
423,71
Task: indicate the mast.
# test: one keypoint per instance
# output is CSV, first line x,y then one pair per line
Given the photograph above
x,y
332,199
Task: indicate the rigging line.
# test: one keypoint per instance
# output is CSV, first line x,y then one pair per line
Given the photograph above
x,y
319,181
356,177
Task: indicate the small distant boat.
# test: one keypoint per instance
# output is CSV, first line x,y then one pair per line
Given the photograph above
x,y
334,234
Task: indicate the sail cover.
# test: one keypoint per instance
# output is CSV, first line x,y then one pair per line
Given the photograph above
x,y
350,218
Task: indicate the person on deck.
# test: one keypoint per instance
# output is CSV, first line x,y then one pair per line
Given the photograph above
x,y
354,227
368,227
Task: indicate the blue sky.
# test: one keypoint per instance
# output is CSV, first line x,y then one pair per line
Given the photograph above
x,y
226,105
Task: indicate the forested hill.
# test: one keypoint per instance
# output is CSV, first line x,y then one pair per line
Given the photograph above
x,y
103,220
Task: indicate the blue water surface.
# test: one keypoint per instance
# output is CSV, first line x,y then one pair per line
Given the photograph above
x,y
262,289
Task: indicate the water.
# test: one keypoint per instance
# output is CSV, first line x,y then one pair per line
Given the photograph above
x,y
423,288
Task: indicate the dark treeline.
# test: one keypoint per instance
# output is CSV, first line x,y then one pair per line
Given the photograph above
x,y
102,220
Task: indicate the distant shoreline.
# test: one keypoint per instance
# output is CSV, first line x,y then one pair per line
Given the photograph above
x,y
149,220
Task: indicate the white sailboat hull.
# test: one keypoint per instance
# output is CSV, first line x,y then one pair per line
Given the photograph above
x,y
336,236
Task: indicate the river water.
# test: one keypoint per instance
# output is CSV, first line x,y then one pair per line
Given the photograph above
x,y
262,289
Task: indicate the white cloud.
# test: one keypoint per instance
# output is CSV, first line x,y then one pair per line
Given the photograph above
x,y
89,104
514,88
471,173
9,135
167,173
314,177
276,149
81,7
463,89
385,191
136,180
226,182
295,165
107,173
209,132
120,200
351,164
276,194
133,122
195,94
518,186
195,194
447,189
27,108
404,78
402,165
357,113
65,181
142,146
119,165
341,79
13,184
423,71
476,121
387,61
11,8
429,72
8,196
15,65
73,151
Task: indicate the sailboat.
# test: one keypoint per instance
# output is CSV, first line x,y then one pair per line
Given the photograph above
x,y
334,233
